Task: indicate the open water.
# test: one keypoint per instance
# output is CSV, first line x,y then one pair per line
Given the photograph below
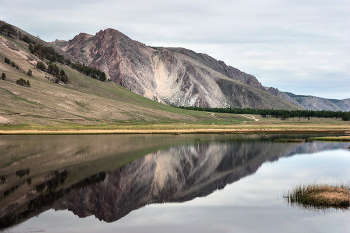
x,y
165,183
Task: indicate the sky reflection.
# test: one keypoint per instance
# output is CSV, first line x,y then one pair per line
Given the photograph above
x,y
253,204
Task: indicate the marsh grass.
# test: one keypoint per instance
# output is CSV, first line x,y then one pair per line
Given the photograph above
x,y
320,196
296,140
335,139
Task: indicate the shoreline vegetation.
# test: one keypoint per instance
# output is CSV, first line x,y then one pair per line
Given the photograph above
x,y
214,123
296,140
320,196
194,130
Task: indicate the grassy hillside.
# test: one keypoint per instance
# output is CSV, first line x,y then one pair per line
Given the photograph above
x,y
86,103
82,103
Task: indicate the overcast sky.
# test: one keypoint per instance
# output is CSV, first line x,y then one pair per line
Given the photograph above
x,y
300,46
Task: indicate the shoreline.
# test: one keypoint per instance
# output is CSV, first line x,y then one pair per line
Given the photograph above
x,y
170,131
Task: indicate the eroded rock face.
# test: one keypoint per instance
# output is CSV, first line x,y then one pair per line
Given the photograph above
x,y
221,67
173,76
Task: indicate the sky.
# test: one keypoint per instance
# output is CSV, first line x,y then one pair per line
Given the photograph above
x,y
294,45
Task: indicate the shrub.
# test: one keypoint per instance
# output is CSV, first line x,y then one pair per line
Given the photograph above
x,y
23,82
64,79
9,29
28,40
7,60
29,72
53,69
3,76
40,65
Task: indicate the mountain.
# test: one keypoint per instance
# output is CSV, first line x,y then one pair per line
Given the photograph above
x,y
309,102
81,101
317,103
283,95
174,76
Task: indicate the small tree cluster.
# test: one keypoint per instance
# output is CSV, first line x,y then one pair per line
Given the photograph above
x,y
3,76
9,29
8,61
54,70
46,52
28,40
59,74
23,82
89,71
40,65
63,77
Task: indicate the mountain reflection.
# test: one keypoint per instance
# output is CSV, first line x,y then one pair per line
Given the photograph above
x,y
178,174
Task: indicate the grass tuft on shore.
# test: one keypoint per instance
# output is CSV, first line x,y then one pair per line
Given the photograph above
x,y
320,196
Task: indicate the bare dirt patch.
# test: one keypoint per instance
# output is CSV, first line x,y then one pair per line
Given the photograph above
x,y
250,117
4,120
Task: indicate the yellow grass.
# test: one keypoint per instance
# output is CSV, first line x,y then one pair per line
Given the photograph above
x,y
320,196
333,196
340,138
179,128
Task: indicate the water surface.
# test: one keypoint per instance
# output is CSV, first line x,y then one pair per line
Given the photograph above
x,y
158,183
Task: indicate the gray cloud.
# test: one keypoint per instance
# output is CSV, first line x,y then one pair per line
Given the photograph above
x,y
296,46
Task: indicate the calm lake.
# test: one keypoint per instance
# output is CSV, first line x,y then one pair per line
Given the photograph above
x,y
165,183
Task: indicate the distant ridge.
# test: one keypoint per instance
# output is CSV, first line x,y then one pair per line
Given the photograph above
x,y
310,102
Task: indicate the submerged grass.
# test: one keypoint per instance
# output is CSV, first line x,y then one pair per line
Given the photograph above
x,y
296,140
336,139
320,196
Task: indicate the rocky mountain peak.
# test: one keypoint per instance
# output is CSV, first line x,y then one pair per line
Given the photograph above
x,y
80,38
174,76
273,91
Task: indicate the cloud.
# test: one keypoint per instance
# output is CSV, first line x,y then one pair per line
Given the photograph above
x,y
296,46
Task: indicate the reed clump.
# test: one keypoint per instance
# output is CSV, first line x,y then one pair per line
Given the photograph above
x,y
320,196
